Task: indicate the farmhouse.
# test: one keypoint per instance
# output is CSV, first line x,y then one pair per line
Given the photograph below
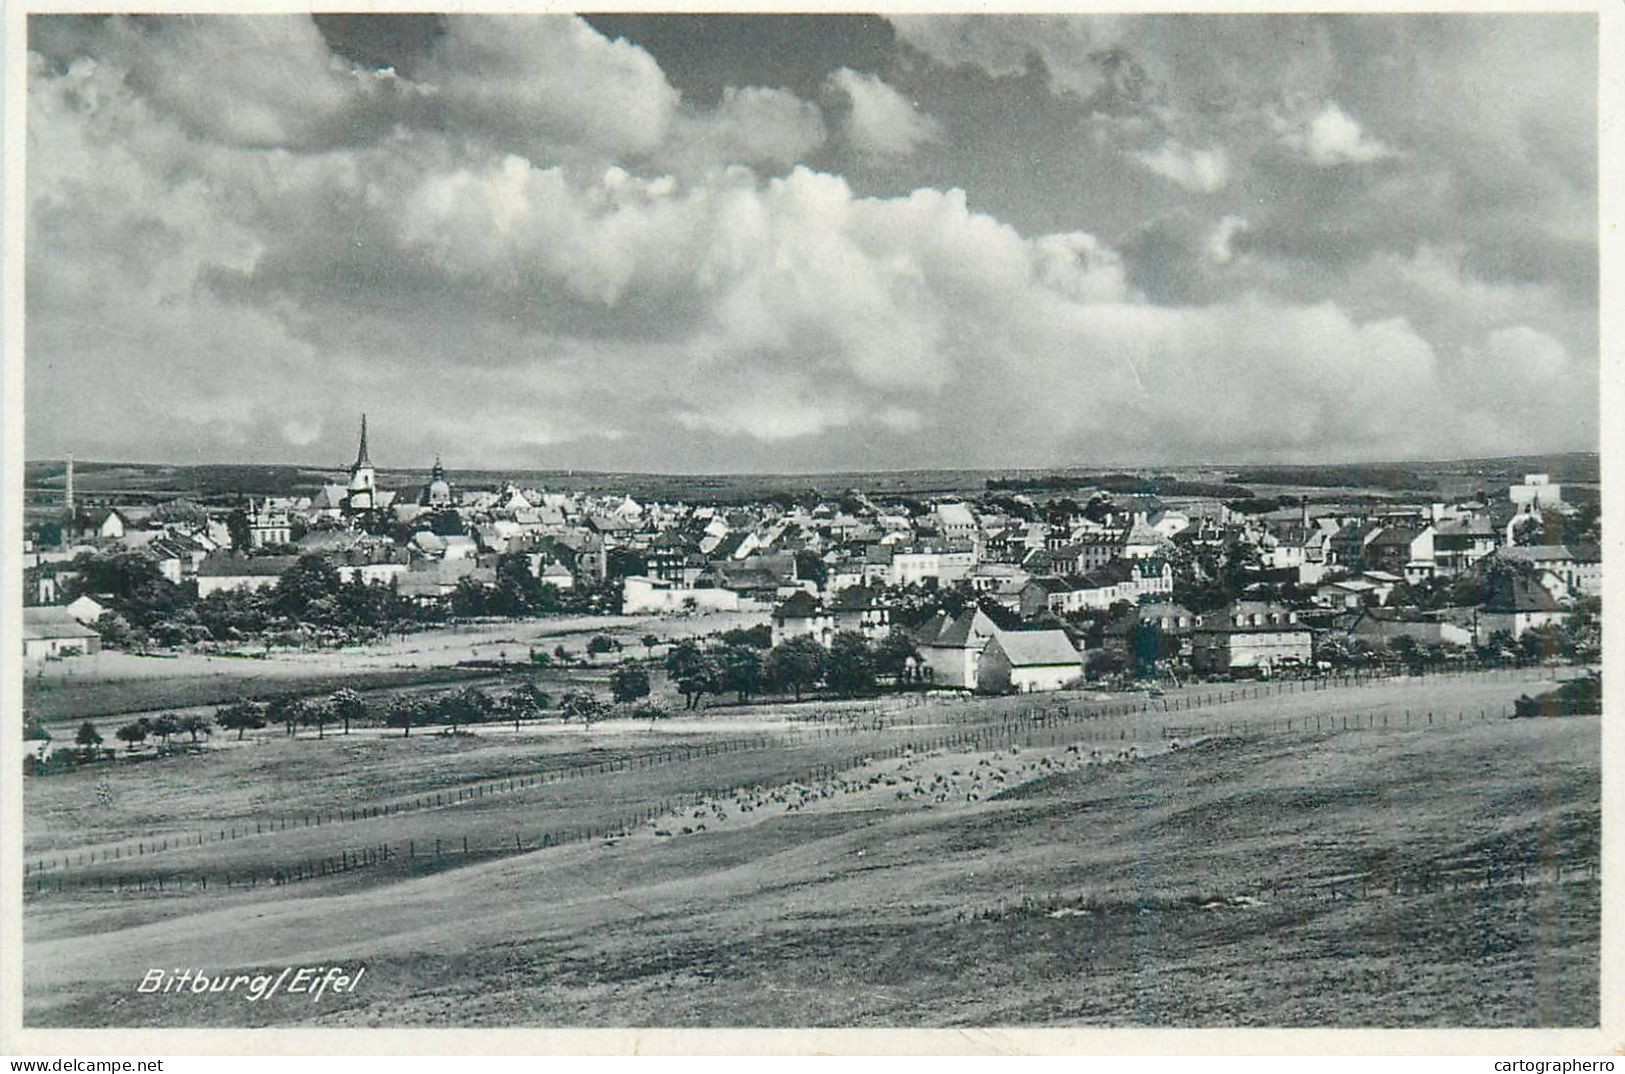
x,y
1174,620
1517,605
952,648
51,633
1252,636
1383,624
1027,661
860,608
803,616
217,573
1578,575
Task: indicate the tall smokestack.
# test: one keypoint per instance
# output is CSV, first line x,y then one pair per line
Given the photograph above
x,y
67,496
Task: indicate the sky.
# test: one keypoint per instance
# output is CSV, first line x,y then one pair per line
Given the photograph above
x,y
799,243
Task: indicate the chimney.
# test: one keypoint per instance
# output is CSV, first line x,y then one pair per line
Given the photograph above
x,y
67,496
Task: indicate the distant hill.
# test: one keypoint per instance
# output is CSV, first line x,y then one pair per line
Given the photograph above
x,y
43,479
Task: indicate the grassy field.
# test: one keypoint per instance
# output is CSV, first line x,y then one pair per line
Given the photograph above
x,y
852,865
107,684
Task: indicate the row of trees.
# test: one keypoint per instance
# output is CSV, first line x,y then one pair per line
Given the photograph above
x,y
309,597
852,665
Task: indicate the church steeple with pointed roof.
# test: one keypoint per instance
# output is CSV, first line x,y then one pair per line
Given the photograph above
x,y
363,485
361,456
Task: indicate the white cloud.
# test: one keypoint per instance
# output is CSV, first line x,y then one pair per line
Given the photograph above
x,y
504,285
749,126
1220,248
1081,267
1331,137
1005,45
533,80
1201,171
882,122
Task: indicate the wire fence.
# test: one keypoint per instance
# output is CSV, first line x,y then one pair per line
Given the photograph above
x,y
1029,724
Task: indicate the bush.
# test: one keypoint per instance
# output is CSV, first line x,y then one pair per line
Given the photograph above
x,y
649,710
1577,697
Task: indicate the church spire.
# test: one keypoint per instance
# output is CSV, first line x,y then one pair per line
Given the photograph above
x,y
361,456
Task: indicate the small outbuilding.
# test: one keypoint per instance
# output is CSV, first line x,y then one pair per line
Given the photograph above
x,y
1028,661
51,633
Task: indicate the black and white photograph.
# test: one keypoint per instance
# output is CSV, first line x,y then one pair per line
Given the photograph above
x,y
1071,520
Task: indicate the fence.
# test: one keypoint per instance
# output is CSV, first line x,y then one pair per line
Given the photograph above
x,y
1028,730
1026,725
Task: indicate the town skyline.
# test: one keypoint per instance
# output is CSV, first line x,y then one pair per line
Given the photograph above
x,y
771,244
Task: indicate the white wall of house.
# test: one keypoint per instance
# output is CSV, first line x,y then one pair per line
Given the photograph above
x,y
640,595
215,583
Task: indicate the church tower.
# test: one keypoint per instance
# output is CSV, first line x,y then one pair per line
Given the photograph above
x,y
363,479
437,493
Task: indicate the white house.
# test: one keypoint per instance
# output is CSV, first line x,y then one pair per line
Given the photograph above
x,y
1027,661
86,609
952,648
1537,492
51,633
642,595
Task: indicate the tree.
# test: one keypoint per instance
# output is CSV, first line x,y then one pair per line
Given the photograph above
x,y
895,654
629,683
601,644
649,643
317,714
1404,647
1150,645
196,725
810,567
166,725
403,712
759,636
649,710
699,677
583,706
525,702
851,668
287,710
682,657
240,716
347,705
34,730
114,629
741,667
88,740
1103,662
540,660
468,705
134,733
796,664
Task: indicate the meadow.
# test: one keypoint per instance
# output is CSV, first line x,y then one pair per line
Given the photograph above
x,y
1392,853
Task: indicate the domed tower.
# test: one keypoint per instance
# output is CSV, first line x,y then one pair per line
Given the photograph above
x,y
438,491
363,485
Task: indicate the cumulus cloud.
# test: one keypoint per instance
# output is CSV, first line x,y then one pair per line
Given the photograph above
x,y
1072,49
262,80
1331,137
1081,267
517,288
881,122
1201,171
753,125
534,80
